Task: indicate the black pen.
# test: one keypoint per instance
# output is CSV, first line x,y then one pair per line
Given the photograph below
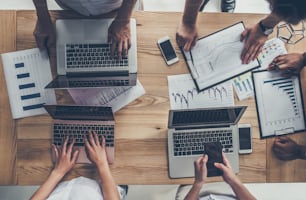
x,y
191,57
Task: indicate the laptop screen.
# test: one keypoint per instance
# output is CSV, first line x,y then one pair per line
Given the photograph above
x,y
71,112
205,117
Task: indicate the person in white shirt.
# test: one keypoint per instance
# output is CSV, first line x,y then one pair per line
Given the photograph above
x,y
118,33
79,188
201,191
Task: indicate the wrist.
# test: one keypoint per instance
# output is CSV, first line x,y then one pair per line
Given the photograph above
x,y
302,152
304,59
57,174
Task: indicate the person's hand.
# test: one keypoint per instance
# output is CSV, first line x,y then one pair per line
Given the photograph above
x,y
290,64
285,148
228,173
95,149
200,169
254,40
45,35
65,157
186,35
119,35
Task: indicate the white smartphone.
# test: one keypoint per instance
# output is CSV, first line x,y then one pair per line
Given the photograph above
x,y
245,138
167,50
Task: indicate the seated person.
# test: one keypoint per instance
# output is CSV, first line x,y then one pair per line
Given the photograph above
x,y
80,188
199,190
119,30
285,148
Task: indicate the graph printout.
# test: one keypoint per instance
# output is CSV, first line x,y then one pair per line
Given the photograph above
x,y
184,95
216,57
270,50
27,72
243,85
279,103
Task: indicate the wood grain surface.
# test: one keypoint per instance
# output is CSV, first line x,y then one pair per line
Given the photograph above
x,y
141,127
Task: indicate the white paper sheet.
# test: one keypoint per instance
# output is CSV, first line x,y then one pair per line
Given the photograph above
x,y
270,50
183,94
116,98
243,86
27,73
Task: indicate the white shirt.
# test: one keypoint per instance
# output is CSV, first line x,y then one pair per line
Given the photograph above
x,y
92,7
79,189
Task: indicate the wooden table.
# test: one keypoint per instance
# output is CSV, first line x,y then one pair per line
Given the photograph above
x,y
141,127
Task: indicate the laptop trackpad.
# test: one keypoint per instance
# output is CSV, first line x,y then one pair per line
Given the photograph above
x,y
95,31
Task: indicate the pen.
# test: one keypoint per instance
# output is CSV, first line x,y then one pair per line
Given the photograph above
x,y
191,57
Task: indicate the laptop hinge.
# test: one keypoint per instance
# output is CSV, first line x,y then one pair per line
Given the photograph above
x,y
200,127
97,74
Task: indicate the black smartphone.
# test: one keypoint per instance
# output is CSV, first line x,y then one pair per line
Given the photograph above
x,y
245,138
167,50
214,152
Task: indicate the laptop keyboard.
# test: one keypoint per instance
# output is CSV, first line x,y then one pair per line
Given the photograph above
x,y
77,131
192,143
92,56
98,83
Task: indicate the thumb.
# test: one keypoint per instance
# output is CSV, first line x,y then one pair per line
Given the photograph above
x,y
220,166
244,34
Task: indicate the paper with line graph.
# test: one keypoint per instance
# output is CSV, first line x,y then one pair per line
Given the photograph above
x,y
216,58
183,94
279,103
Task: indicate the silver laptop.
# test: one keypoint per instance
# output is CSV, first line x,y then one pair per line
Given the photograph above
x,y
76,121
190,129
84,58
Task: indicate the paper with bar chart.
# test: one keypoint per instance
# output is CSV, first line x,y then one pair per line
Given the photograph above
x,y
279,103
184,95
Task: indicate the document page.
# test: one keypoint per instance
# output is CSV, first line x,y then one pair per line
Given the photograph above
x,y
184,95
116,97
216,57
279,103
27,72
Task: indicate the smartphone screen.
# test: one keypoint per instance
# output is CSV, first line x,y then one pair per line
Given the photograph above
x,y
168,50
245,138
214,152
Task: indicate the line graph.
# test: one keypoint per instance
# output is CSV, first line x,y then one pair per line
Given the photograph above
x,y
183,94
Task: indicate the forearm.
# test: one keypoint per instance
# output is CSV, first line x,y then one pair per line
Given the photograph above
x,y
47,187
194,192
242,193
191,11
304,59
42,11
126,10
301,148
108,185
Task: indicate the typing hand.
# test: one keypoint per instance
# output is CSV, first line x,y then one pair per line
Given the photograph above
x,y
186,35
95,149
254,40
65,157
119,34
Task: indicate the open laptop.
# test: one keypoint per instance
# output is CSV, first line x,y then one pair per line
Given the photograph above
x,y
76,121
190,129
83,56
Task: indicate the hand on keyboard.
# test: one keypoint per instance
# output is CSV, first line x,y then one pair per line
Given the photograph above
x,y
65,157
95,149
119,33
